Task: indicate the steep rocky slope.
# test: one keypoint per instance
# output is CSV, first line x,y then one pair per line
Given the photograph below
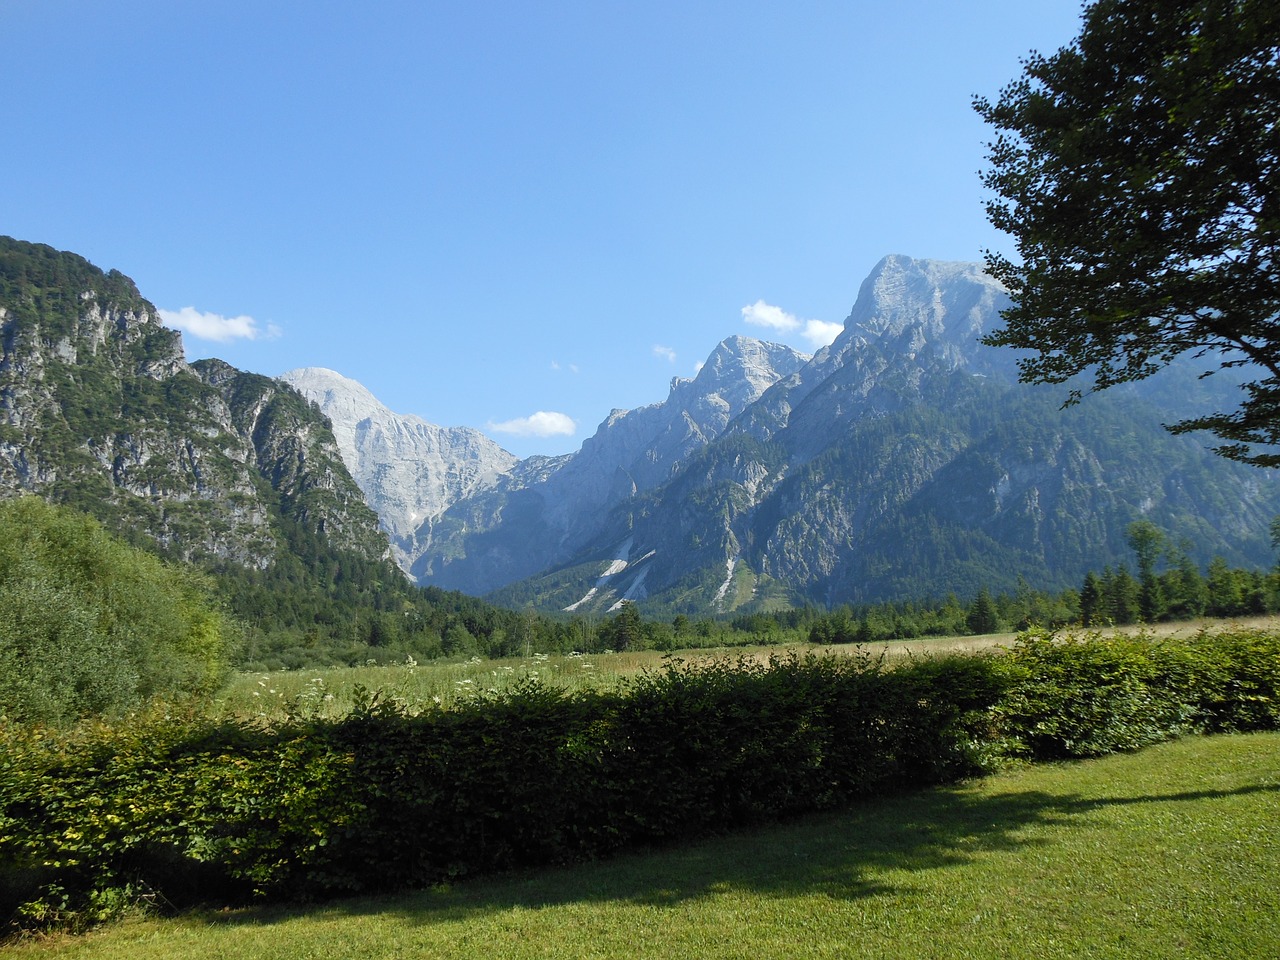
x,y
904,461
901,461
544,513
98,409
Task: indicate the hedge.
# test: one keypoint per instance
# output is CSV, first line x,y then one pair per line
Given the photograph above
x,y
187,810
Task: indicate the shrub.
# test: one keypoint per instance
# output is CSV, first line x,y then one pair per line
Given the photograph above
x,y
1080,696
90,626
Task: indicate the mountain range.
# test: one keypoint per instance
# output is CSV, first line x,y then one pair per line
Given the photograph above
x,y
903,460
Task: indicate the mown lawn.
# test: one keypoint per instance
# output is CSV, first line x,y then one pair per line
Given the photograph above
x,y
1170,852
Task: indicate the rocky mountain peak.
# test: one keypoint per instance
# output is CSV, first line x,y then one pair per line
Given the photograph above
x,y
648,440
736,373
934,308
343,400
740,369
410,471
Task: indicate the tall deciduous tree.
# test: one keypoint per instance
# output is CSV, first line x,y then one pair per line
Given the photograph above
x,y
1138,171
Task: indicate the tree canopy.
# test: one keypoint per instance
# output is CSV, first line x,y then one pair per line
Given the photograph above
x,y
1138,171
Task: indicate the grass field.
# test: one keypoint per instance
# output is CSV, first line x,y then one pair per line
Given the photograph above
x,y
329,692
1170,852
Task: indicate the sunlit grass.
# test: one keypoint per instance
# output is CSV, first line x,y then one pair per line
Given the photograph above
x,y
420,685
1171,852
331,692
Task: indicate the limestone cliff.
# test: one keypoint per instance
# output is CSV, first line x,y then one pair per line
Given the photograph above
x,y
411,471
904,461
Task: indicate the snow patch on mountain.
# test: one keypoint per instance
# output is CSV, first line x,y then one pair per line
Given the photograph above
x,y
616,566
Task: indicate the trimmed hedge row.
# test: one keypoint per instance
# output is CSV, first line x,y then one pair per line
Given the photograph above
x,y
1085,696
197,810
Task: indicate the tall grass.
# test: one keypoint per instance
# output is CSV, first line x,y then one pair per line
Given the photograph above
x,y
330,693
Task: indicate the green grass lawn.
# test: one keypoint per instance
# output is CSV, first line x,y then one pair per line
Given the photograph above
x,y
1170,852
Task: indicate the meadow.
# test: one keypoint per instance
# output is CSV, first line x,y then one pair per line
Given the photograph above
x,y
330,692
1167,852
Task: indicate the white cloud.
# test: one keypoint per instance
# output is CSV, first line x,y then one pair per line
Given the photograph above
x,y
572,367
818,333
540,424
821,332
666,353
761,314
211,326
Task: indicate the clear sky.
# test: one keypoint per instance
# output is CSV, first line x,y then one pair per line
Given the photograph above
x,y
506,214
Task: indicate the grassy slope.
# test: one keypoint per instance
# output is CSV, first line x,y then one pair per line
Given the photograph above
x,y
1171,852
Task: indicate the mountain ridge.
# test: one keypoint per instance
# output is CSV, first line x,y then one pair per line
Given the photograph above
x,y
901,459
409,470
845,481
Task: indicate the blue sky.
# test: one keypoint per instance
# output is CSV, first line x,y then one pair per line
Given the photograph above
x,y
503,215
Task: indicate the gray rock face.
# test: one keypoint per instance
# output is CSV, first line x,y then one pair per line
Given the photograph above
x,y
635,450
912,320
774,477
409,470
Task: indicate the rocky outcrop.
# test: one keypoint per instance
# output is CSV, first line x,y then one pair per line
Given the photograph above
x,y
534,520
904,461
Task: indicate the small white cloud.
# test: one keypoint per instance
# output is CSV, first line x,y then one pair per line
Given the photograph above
x,y
212,326
665,352
540,424
821,332
761,314
572,367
